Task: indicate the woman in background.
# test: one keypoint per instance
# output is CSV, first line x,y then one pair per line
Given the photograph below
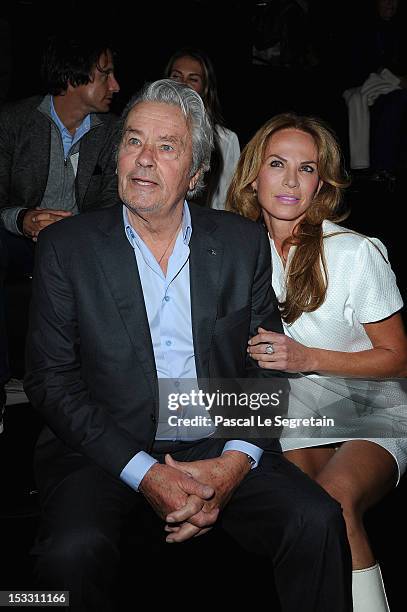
x,y
340,307
194,68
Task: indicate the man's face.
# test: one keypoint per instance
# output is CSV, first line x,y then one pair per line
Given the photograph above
x,y
155,159
96,96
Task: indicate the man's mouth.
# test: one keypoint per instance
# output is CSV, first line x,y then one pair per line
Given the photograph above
x,y
143,182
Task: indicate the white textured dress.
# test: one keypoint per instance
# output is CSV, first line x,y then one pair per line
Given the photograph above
x,y
361,289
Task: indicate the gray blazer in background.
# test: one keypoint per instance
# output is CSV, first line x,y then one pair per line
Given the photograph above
x,y
25,137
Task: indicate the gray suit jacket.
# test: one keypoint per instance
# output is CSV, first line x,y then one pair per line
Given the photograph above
x,y
90,361
25,135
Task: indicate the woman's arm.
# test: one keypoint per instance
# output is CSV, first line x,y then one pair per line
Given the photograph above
x,y
387,358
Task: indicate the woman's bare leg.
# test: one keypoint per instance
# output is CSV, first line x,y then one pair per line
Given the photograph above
x,y
358,474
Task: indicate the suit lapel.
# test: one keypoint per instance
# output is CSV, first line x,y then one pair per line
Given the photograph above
x,y
90,148
117,259
206,254
40,135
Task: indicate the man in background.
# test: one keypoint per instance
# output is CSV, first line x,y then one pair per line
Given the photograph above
x,y
56,154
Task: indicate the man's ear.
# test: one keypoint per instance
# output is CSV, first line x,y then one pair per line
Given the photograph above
x,y
194,179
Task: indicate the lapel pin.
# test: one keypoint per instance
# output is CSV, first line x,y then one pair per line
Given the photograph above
x,y
212,252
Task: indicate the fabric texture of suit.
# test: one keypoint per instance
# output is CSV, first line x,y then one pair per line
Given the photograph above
x,y
25,135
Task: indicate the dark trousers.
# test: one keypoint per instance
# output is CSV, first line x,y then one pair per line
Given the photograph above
x,y
4,364
276,511
16,262
388,142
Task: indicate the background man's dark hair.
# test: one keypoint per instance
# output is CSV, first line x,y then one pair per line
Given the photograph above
x,y
69,59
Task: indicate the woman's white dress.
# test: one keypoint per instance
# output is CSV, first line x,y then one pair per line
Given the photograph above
x,y
362,289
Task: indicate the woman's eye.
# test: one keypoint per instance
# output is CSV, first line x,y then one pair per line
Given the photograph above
x,y
133,141
308,169
276,163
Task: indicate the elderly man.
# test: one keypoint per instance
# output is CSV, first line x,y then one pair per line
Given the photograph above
x,y
158,290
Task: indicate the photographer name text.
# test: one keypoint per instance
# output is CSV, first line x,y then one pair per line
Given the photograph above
x,y
254,420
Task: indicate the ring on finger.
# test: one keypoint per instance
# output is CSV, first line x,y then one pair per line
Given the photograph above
x,y
269,349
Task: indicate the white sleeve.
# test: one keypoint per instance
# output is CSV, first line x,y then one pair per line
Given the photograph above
x,y
373,290
230,149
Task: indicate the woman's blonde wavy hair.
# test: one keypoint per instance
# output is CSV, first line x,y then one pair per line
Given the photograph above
x,y
307,279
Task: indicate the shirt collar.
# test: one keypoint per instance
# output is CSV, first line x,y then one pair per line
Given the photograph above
x,y
82,129
134,238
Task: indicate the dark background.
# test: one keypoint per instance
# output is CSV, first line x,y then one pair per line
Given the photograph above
x,y
145,34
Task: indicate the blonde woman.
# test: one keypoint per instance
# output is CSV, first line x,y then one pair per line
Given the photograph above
x,y
340,307
194,68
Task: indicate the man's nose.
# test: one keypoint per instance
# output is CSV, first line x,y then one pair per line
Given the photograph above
x,y
113,84
145,157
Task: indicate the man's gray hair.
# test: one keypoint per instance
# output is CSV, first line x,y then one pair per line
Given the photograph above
x,y
167,91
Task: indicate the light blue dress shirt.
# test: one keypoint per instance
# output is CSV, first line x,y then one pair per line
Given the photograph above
x,y
168,305
67,139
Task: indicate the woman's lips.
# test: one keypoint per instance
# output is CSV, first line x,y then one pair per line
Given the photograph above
x,y
287,199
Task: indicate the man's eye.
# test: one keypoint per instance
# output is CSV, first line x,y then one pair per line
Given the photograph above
x,y
167,148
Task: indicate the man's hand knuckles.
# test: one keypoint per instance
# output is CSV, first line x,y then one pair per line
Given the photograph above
x,y
194,510
201,520
202,532
209,518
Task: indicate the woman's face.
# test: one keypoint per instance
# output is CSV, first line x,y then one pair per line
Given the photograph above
x,y
189,71
288,179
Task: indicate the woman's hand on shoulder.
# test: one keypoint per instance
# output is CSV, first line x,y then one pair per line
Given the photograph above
x,y
285,353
